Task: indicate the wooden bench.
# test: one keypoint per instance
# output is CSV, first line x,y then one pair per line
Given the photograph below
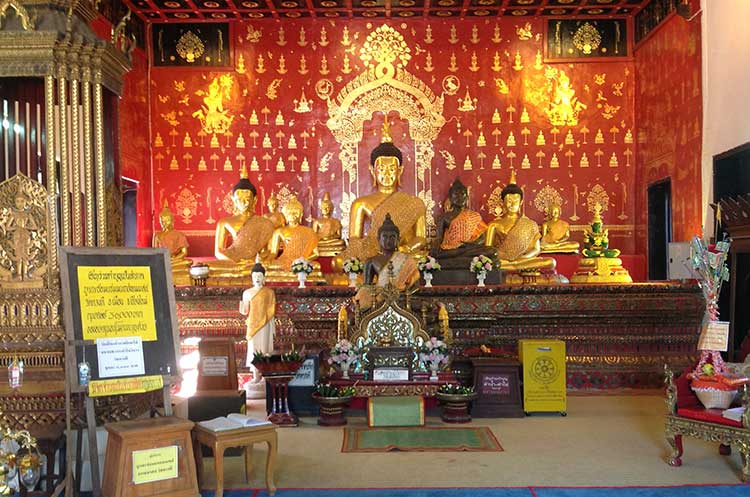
x,y
688,417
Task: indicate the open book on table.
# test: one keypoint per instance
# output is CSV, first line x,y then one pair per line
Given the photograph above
x,y
233,421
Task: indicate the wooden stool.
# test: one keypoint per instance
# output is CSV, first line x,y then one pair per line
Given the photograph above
x,y
242,437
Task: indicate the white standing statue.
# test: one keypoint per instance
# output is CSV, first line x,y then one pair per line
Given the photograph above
x,y
259,305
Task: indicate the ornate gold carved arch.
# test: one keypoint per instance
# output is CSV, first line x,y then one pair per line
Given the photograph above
x,y
385,86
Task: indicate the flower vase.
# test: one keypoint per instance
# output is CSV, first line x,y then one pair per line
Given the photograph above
x,y
427,279
353,280
345,369
481,275
301,277
434,366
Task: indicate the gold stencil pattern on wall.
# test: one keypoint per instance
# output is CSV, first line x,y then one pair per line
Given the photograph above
x,y
597,195
189,47
546,197
186,205
565,106
213,116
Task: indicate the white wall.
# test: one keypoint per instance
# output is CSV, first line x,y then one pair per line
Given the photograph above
x,y
725,33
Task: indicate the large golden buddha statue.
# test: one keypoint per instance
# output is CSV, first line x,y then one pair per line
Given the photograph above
x,y
290,242
241,236
177,244
516,237
460,232
368,213
555,234
273,214
328,229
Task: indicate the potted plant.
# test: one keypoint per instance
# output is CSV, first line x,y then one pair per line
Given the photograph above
x,y
352,267
434,354
343,355
301,267
479,266
427,265
455,401
269,364
332,400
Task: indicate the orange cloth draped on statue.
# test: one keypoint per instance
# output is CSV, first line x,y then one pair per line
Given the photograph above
x,y
171,240
301,243
465,228
251,239
555,232
405,271
519,240
404,210
262,310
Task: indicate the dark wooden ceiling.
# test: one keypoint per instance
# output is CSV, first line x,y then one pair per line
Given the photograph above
x,y
213,10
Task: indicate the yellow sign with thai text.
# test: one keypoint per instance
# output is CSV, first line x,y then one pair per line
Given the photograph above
x,y
543,375
122,386
116,302
155,464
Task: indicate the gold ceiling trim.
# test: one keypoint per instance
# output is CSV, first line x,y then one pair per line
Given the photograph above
x,y
21,12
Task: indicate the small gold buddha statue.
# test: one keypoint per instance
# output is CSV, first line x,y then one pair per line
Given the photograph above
x,y
460,232
290,242
239,237
328,229
177,244
368,213
600,263
273,214
516,238
555,234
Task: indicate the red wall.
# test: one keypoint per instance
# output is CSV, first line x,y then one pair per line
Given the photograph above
x,y
199,197
668,110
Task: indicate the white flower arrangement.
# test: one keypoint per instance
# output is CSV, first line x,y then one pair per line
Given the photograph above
x,y
301,266
481,263
428,264
434,353
343,353
353,265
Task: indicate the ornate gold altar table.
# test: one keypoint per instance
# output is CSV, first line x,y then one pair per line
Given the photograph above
x,y
615,335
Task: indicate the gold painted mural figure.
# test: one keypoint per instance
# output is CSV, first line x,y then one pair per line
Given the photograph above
x,y
214,118
328,229
515,236
290,242
556,232
241,236
177,244
565,106
273,214
368,213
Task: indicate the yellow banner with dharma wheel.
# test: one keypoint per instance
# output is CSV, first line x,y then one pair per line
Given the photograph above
x,y
116,302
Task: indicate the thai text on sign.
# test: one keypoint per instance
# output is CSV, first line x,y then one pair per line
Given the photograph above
x,y
116,302
155,464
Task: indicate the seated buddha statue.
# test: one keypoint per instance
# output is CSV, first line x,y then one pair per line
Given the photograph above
x,y
177,244
460,232
516,237
241,236
555,234
367,213
291,242
388,265
600,264
273,214
328,229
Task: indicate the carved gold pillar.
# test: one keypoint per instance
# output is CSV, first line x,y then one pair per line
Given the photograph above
x,y
88,160
62,104
49,101
101,194
75,121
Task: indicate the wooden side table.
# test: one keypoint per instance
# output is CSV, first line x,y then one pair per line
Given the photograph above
x,y
242,437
